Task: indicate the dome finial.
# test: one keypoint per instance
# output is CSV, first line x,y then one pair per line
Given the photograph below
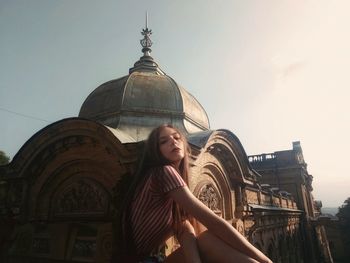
x,y
146,62
146,42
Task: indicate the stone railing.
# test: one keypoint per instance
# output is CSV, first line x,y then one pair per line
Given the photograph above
x,y
270,197
261,157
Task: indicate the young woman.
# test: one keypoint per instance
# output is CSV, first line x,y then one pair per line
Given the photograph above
x,y
159,205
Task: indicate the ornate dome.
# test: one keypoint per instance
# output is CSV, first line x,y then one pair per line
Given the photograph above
x,y
144,99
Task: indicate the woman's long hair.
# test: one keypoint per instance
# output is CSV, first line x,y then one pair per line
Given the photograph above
x,y
150,158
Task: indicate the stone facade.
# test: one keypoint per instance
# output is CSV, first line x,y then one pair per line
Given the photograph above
x,y
59,192
286,172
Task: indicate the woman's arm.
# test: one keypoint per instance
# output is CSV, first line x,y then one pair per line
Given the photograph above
x,y
215,224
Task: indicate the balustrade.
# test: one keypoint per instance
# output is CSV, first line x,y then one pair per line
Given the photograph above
x,y
261,157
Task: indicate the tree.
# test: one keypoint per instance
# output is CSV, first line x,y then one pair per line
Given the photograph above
x,y
344,223
4,159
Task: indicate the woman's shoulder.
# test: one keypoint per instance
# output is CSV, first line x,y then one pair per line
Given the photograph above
x,y
169,168
166,175
166,168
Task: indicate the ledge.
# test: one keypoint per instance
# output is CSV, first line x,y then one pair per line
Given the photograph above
x,y
273,208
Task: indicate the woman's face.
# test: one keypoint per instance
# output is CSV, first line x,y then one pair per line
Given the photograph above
x,y
171,146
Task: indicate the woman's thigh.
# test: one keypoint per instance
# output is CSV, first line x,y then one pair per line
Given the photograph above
x,y
214,250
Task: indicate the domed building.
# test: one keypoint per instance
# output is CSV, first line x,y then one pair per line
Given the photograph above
x,y
144,99
58,196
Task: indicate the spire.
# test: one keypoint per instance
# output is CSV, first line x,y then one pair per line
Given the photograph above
x,y
146,42
146,62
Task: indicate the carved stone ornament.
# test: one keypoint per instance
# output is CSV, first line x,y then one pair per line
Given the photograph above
x,y
84,248
81,197
210,197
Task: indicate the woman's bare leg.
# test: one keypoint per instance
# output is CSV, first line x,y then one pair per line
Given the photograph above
x,y
214,250
189,248
210,256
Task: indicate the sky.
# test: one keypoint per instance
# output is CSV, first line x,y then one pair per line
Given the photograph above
x,y
272,72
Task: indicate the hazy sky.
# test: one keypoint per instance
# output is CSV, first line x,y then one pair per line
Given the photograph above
x,y
271,71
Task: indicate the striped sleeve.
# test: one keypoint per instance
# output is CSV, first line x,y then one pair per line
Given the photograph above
x,y
170,179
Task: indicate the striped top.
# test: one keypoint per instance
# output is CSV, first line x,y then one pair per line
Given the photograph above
x,y
152,209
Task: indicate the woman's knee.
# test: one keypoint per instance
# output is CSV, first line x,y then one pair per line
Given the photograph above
x,y
186,227
205,238
208,244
